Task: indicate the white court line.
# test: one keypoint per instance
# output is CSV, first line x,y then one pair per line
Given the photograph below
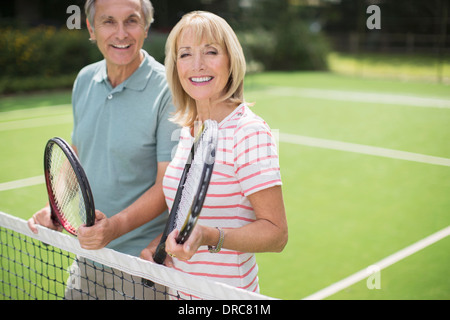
x,y
337,145
22,183
38,111
34,123
386,262
363,149
366,97
299,140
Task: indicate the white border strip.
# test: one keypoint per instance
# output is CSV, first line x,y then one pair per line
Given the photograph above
x,y
386,262
364,149
178,280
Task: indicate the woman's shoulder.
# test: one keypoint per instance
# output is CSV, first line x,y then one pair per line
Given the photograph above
x,y
247,120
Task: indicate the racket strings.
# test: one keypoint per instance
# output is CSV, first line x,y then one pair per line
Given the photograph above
x,y
193,179
66,190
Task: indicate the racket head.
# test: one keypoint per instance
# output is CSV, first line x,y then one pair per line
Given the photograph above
x,y
69,193
201,169
209,129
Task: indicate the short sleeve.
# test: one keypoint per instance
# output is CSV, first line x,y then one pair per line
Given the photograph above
x,y
168,133
75,95
256,159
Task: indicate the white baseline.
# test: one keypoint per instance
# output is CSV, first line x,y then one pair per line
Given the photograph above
x,y
298,140
366,97
22,183
386,262
363,149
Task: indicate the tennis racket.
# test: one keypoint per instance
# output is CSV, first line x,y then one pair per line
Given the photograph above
x,y
192,189
70,197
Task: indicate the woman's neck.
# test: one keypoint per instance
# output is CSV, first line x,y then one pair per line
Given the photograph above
x,y
214,111
217,112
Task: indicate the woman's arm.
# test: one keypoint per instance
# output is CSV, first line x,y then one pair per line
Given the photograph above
x,y
268,233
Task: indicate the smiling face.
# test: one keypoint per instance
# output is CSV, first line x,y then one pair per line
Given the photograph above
x,y
203,67
119,30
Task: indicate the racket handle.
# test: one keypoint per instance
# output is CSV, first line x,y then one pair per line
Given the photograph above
x,y
159,257
147,283
160,254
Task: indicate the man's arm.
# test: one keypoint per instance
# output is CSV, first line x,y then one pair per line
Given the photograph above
x,y
147,207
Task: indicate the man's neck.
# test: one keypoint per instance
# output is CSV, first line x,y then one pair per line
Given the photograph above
x,y
119,73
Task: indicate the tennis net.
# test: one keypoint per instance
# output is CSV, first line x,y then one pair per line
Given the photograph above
x,y
51,265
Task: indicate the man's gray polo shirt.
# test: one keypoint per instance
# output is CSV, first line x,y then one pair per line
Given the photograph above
x,y
121,133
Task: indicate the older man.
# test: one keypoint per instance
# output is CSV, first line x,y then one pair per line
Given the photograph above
x,y
121,133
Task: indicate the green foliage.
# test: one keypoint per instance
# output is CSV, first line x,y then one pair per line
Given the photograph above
x,y
291,47
35,83
297,48
44,51
46,58
42,58
155,45
49,58
281,38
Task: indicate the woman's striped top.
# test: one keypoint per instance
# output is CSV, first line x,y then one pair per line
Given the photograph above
x,y
246,162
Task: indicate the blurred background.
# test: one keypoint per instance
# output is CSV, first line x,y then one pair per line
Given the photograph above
x,y
39,51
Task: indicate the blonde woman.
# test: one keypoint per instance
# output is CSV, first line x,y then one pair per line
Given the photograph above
x,y
244,211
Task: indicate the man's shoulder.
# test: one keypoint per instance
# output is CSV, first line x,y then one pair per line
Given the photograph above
x,y
157,68
91,69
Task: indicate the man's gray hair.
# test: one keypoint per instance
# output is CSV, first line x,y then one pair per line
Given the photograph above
x,y
147,10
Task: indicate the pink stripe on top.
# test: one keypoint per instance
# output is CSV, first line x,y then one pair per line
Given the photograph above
x,y
246,162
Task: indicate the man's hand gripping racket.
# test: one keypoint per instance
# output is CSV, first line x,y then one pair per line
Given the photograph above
x,y
70,197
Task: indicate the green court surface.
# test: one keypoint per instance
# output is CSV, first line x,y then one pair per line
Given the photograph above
x,y
366,173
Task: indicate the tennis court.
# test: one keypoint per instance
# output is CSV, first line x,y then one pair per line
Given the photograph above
x,y
366,172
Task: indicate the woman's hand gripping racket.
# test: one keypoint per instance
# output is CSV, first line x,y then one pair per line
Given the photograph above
x,y
69,193
192,188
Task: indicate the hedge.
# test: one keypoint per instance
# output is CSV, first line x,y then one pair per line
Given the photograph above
x,y
47,57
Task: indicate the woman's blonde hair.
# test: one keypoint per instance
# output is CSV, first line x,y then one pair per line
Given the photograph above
x,y
215,29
